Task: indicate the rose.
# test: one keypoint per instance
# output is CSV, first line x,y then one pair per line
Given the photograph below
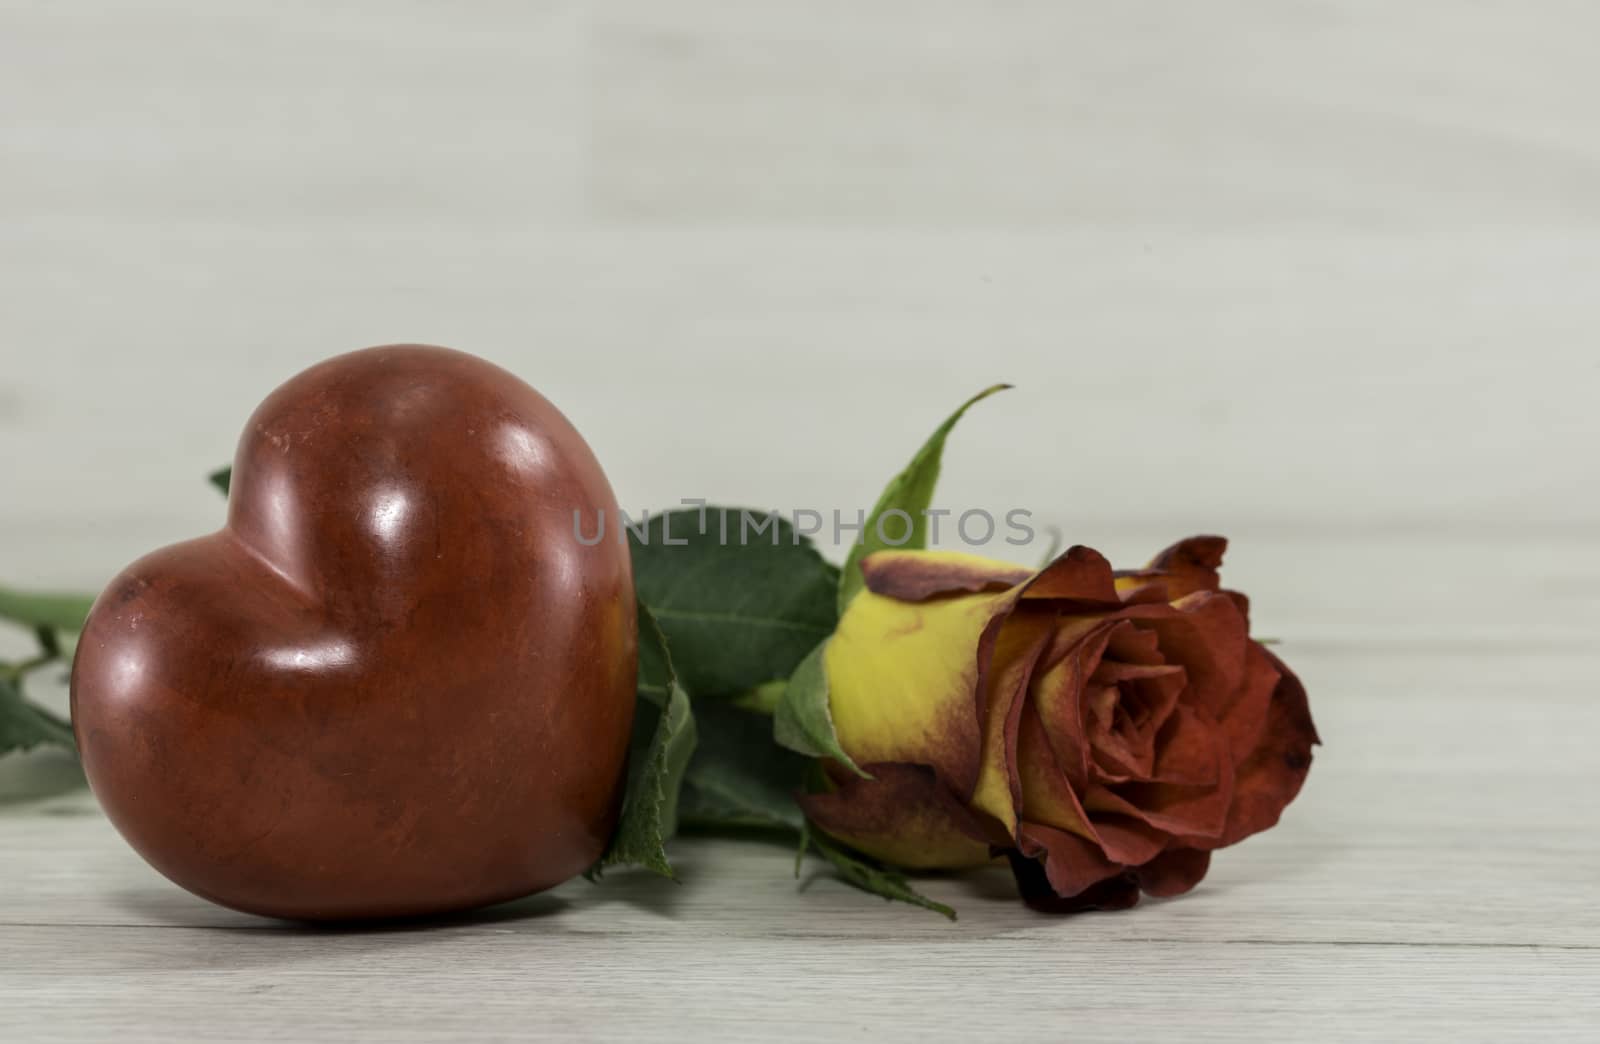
x,y
1106,730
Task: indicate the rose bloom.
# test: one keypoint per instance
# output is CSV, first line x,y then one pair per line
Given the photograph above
x,y
1105,730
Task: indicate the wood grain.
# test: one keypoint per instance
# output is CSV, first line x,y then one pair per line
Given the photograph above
x,y
1435,881
1317,276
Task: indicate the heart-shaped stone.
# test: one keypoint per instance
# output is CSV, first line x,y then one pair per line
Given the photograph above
x,y
396,682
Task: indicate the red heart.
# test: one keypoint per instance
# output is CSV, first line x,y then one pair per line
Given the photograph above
x,y
396,682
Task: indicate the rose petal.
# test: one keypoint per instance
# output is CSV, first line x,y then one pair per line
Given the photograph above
x,y
1021,642
1245,720
1057,692
1191,750
1048,801
1194,787
902,815
1174,871
1146,696
1072,864
1020,632
1110,745
1113,893
903,680
1047,794
1141,587
1271,777
1129,841
1118,672
1081,575
915,576
1242,602
1206,635
1135,645
1199,821
1191,565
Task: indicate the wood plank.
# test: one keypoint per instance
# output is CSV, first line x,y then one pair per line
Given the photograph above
x,y
1335,383
517,980
1448,806
1320,279
1033,112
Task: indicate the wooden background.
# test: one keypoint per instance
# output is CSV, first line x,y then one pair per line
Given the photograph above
x,y
1321,276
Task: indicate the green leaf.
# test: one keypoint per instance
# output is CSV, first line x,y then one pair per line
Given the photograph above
x,y
739,608
763,699
49,641
221,479
803,721
656,674
871,877
910,492
664,740
52,611
23,725
738,779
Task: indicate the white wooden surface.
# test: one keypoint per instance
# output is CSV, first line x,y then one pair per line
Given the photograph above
x,y
1317,275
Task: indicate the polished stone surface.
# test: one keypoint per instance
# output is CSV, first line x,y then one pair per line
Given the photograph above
x,y
395,682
